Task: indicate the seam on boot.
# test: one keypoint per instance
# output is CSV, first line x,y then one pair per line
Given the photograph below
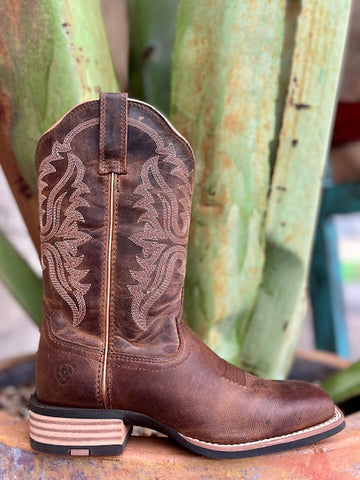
x,y
108,282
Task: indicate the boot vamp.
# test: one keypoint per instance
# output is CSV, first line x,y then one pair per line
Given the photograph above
x,y
203,397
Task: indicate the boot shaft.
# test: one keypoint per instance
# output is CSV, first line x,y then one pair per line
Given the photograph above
x,y
115,186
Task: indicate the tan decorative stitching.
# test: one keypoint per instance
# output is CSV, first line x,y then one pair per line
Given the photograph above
x,y
163,242
123,133
60,234
108,291
102,134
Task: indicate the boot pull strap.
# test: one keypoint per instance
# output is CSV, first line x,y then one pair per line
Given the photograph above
x,y
113,133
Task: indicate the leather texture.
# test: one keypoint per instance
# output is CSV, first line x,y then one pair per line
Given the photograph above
x,y
114,232
113,133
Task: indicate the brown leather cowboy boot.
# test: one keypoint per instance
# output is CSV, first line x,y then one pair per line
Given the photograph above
x,y
115,186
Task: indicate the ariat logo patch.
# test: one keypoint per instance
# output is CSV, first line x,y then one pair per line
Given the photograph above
x,y
64,373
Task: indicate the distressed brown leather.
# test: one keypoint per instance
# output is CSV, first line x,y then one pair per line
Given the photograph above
x,y
155,364
113,133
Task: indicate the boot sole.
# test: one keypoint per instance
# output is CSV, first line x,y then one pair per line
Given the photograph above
x,y
83,432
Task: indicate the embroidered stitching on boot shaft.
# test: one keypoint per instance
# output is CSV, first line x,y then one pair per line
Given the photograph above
x,y
60,234
163,245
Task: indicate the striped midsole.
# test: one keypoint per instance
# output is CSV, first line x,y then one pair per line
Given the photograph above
x,y
77,431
